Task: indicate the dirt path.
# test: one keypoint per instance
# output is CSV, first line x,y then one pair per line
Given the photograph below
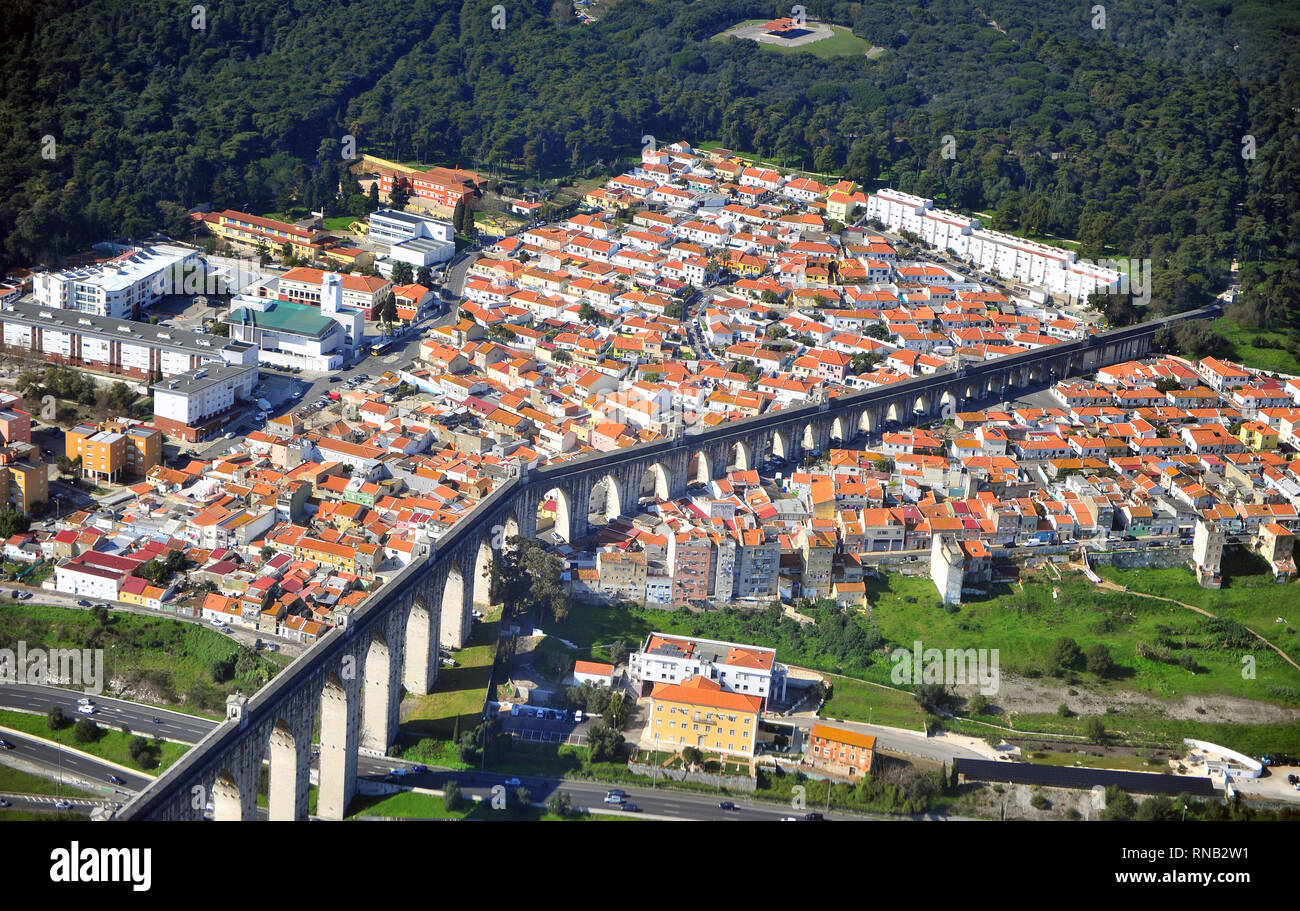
x,y
1111,586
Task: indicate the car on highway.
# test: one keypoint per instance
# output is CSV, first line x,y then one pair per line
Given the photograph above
x,y
6,745
726,805
613,799
4,803
23,596
630,808
419,768
63,805
87,709
157,721
813,817
398,772
115,780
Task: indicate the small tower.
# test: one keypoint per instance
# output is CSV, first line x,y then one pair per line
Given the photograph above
x,y
331,293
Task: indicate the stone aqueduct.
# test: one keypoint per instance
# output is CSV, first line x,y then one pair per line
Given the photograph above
x,y
349,684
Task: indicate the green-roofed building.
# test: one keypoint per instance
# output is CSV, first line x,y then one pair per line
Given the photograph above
x,y
288,334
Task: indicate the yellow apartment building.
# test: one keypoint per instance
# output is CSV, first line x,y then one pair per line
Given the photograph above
x,y
699,713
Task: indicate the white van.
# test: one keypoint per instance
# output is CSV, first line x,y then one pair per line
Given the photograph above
x,y
86,709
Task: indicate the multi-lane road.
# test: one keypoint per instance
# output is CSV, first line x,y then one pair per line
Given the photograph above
x,y
176,726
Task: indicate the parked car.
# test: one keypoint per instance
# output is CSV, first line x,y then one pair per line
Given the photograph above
x,y
23,596
83,604
577,715
512,782
514,711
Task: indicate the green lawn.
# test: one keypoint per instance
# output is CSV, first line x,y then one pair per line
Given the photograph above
x,y
111,745
1127,763
15,782
843,43
160,655
459,691
1277,360
1024,627
857,700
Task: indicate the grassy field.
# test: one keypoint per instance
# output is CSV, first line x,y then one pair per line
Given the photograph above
x,y
460,691
857,700
1128,763
409,805
152,656
13,781
111,745
1277,360
1024,626
1023,623
843,43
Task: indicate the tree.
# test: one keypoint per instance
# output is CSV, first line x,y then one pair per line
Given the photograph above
x,y
617,651
374,196
523,799
55,720
603,743
399,197
13,523
692,756
560,804
1099,661
1094,729
1066,653
616,712
402,273
977,704
1119,805
451,795
424,276
86,731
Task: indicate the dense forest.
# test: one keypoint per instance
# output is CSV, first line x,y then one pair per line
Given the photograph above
x,y
1171,133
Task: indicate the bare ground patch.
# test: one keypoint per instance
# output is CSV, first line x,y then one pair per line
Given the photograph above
x,y
1027,696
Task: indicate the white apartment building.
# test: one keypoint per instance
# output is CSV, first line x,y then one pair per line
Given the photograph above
x,y
119,288
1012,258
188,402
748,669
109,345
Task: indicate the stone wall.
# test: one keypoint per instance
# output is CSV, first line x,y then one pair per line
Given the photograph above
x,y
730,782
1145,558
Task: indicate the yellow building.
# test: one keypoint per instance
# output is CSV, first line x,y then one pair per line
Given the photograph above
x,y
23,482
114,449
1258,436
699,713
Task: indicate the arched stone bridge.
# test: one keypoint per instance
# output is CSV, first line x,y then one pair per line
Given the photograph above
x,y
350,683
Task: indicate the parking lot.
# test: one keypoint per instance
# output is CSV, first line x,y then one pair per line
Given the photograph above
x,y
545,725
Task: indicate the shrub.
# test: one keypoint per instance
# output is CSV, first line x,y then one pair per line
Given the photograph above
x,y
1039,802
451,796
86,731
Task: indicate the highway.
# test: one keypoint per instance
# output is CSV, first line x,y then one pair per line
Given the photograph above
x,y
663,802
